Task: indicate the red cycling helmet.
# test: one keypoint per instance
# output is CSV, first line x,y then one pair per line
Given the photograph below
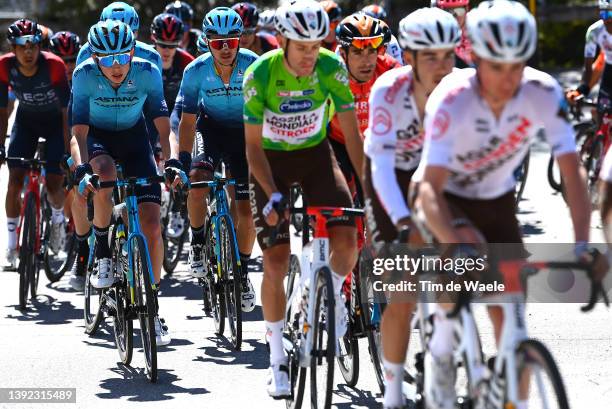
x,y
449,4
22,31
248,14
167,28
65,44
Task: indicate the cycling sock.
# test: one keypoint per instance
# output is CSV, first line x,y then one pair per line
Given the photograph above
x,y
102,249
11,224
57,215
197,235
338,281
244,262
274,337
394,374
441,344
82,252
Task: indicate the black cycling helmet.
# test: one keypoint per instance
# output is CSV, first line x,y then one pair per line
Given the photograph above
x,y
248,14
167,28
65,44
180,9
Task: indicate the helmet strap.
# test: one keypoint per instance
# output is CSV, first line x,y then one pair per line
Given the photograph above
x,y
414,64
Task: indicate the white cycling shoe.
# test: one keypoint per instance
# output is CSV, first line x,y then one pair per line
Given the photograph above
x,y
162,336
57,238
176,225
278,381
102,276
248,297
196,260
12,257
440,379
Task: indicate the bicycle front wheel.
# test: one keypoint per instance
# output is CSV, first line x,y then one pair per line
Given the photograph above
x,y
123,326
539,378
323,342
232,280
348,360
27,256
92,311
145,304
173,246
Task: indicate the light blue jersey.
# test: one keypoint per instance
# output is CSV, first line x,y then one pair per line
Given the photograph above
x,y
96,103
202,88
142,50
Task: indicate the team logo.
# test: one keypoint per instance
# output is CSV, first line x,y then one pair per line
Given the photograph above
x,y
382,121
301,105
130,84
440,124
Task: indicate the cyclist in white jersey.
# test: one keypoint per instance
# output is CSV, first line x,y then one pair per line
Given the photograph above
x,y
393,145
606,195
479,123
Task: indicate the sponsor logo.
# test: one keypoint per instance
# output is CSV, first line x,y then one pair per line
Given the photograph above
x,y
382,122
297,126
36,98
440,124
392,91
295,106
302,93
116,99
130,84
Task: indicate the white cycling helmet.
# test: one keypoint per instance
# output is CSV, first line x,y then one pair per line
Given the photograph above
x,y
266,19
428,28
502,31
302,20
604,4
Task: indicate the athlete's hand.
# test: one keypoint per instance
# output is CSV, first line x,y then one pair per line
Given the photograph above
x,y
598,261
83,174
572,95
270,209
174,174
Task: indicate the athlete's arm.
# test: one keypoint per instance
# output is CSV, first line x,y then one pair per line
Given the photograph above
x,y
159,110
187,129
574,181
66,129
4,117
79,133
162,124
354,141
4,111
587,73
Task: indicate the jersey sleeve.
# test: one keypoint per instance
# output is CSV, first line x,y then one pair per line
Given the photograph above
x,y
4,81
380,145
59,80
84,53
254,94
80,96
590,43
337,83
156,104
190,88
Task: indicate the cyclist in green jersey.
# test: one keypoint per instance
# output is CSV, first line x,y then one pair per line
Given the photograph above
x,y
286,116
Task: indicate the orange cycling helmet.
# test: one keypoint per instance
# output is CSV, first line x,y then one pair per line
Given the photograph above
x,y
333,10
360,26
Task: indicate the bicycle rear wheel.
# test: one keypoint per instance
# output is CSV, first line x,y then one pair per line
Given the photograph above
x,y
297,374
232,281
27,256
92,311
55,265
323,342
215,289
173,246
373,316
123,326
536,369
145,304
348,360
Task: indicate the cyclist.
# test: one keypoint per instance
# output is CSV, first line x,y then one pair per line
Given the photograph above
x,y
598,36
124,12
393,48
459,9
190,37
266,22
606,195
257,42
109,93
39,82
212,88
361,41
393,145
478,129
334,12
66,45
45,37
285,128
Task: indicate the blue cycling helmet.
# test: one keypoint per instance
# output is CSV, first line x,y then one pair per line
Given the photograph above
x,y
201,44
123,12
111,37
222,21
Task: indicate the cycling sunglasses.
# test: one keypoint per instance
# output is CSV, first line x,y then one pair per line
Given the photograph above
x,y
23,40
223,43
364,42
109,60
170,46
605,14
457,11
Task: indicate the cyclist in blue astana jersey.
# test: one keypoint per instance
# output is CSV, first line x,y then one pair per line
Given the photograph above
x,y
109,95
212,87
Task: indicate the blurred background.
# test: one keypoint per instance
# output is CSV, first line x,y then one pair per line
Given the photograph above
x,y
562,23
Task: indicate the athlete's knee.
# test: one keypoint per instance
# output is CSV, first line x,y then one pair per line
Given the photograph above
x,y
244,211
149,220
16,178
276,264
104,167
343,239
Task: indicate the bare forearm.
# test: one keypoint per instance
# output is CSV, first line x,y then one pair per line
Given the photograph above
x,y
260,168
66,130
574,178
437,213
163,129
354,141
80,136
187,131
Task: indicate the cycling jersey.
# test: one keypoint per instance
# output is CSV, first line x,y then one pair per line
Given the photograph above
x,y
481,151
361,93
294,111
172,77
394,50
97,103
142,50
191,45
598,36
202,86
45,91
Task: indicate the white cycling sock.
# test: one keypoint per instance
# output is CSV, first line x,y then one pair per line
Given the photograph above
x,y
338,281
394,373
11,224
274,336
57,215
441,343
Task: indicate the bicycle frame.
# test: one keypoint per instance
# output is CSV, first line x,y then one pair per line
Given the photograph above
x,y
35,178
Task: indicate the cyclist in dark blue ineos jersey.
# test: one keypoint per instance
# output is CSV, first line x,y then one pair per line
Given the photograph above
x,y
110,91
212,88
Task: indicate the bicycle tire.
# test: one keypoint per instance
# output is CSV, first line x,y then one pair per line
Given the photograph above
x,y
123,326
92,319
215,290
232,281
323,348
524,171
34,268
297,374
54,265
205,297
171,258
26,250
349,362
593,166
550,174
375,345
531,353
143,289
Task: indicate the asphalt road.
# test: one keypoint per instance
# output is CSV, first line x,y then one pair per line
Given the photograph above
x,y
45,346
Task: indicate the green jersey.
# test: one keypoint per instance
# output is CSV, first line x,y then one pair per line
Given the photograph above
x,y
294,111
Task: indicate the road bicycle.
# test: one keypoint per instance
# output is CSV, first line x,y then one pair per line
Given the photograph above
x,y
173,206
132,294
309,336
223,283
523,369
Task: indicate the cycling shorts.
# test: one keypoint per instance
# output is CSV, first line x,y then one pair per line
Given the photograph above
x,y
27,128
131,148
380,226
316,170
214,143
346,166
